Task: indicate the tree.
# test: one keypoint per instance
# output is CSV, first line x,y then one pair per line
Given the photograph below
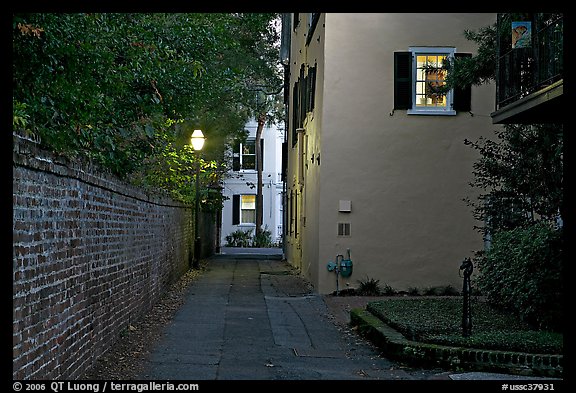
x,y
125,89
522,170
520,177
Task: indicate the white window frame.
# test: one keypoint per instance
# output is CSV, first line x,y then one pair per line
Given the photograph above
x,y
253,141
418,110
240,207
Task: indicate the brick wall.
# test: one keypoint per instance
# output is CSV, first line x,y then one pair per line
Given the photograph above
x,y
90,255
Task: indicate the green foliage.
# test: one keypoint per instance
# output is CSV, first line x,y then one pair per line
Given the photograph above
x,y
448,290
114,87
521,177
479,68
369,287
522,272
263,238
20,117
239,238
388,290
521,174
244,238
438,320
443,290
413,291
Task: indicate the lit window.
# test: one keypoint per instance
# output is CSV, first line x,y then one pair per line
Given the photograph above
x,y
429,95
248,209
248,154
244,157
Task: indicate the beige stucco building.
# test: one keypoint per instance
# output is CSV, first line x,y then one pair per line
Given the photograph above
x,y
376,160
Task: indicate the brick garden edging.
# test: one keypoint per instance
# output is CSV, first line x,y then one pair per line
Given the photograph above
x,y
396,346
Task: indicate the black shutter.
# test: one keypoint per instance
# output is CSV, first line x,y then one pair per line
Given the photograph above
x,y
236,156
284,159
402,80
302,99
463,95
312,87
296,213
295,115
306,96
235,209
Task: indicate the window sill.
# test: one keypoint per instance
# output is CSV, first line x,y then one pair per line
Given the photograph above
x,y
431,112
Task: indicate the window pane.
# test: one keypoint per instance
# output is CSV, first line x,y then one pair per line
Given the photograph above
x,y
423,101
249,162
420,88
249,147
248,216
432,61
248,202
248,209
420,74
441,60
420,61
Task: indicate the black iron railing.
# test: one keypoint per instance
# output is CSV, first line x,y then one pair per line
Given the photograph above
x,y
523,71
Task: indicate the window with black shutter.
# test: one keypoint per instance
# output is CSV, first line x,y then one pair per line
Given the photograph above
x,y
420,81
303,94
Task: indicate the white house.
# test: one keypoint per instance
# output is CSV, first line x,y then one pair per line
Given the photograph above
x,y
240,187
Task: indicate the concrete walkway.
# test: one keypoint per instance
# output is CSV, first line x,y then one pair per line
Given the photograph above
x,y
249,317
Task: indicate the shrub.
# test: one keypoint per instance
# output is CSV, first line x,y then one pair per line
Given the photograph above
x,y
264,238
239,238
448,290
388,291
369,287
413,291
522,272
430,291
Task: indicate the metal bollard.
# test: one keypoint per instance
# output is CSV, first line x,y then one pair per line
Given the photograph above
x,y
467,267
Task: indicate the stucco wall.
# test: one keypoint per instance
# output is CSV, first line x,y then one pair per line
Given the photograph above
x,y
405,175
302,251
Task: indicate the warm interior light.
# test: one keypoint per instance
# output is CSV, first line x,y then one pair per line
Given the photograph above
x,y
197,140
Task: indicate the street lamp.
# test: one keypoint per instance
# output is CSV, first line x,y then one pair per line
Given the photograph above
x,y
197,144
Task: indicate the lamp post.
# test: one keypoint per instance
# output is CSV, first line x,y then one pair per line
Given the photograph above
x,y
197,144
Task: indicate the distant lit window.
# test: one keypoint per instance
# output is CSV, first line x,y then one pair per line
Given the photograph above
x,y
244,157
248,209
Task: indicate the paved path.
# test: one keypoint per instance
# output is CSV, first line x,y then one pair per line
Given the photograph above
x,y
249,318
